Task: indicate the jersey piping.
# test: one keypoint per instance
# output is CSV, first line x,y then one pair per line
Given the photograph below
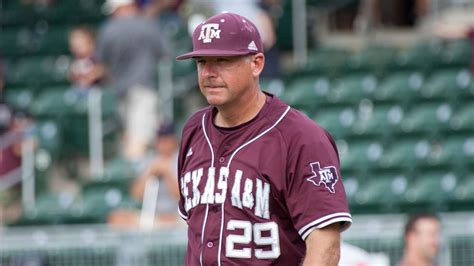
x,y
324,221
228,167
207,204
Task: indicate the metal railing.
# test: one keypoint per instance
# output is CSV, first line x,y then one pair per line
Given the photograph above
x,y
379,235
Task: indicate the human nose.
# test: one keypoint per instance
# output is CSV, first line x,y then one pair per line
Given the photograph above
x,y
207,70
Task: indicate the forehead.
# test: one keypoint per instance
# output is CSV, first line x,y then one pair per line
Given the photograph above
x,y
213,58
427,223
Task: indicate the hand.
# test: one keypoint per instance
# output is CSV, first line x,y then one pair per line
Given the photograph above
x,y
160,167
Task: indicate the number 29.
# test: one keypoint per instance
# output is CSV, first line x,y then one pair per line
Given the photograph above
x,y
272,240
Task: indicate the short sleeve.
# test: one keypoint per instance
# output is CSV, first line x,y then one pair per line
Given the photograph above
x,y
315,193
101,45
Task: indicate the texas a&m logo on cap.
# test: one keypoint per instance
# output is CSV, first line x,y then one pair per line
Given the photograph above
x,y
326,175
209,31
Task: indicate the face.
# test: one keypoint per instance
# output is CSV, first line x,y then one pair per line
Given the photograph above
x,y
426,237
81,44
167,145
228,81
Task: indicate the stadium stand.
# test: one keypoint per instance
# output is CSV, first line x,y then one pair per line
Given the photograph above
x,y
402,118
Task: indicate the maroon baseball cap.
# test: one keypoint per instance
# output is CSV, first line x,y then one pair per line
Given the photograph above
x,y
225,34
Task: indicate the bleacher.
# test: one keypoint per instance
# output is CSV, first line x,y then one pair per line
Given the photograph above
x,y
402,117
34,47
402,120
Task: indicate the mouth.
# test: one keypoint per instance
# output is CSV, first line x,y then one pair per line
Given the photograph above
x,y
213,88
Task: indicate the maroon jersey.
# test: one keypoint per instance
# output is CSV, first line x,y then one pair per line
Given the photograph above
x,y
253,193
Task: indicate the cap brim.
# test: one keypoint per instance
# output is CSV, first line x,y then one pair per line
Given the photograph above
x,y
211,52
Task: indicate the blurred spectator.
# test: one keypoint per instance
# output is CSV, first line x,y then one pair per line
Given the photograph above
x,y
129,48
353,256
372,14
10,155
422,240
14,130
163,168
82,47
471,38
155,8
2,76
15,127
38,3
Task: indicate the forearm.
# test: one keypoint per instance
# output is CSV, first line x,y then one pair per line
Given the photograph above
x,y
323,247
329,257
172,183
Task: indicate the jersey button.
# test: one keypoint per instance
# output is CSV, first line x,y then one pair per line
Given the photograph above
x,y
215,208
222,159
210,244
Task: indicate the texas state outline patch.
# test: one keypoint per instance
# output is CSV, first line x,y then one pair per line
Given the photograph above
x,y
324,175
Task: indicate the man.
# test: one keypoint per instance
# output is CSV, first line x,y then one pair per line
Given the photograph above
x,y
129,48
422,237
259,181
160,169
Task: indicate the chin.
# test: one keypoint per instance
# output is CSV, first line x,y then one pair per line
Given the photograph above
x,y
215,101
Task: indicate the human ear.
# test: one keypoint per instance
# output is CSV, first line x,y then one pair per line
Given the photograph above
x,y
258,62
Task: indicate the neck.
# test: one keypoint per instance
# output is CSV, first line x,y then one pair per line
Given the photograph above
x,y
126,11
242,112
413,259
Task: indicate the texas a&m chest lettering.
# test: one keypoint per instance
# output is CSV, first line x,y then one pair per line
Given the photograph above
x,y
212,185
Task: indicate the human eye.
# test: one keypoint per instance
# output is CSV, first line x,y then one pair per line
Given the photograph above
x,y
222,60
200,61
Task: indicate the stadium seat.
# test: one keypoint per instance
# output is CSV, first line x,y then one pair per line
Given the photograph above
x,y
376,59
183,68
38,70
456,151
48,134
15,41
20,98
54,102
457,52
49,209
379,120
405,154
96,203
400,87
306,93
431,190
423,56
427,118
381,192
446,84
352,185
463,119
352,89
275,86
13,16
464,194
118,173
338,121
328,61
52,40
469,92
361,155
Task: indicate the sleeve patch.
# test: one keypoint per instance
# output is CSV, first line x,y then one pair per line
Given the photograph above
x,y
326,176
